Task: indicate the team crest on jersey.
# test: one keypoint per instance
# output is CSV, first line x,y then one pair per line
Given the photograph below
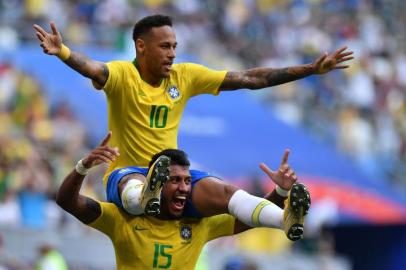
x,y
186,232
173,92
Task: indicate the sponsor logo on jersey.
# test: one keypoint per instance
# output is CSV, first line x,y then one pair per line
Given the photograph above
x,y
173,92
138,228
141,93
186,232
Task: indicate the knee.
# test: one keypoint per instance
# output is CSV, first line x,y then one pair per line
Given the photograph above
x,y
228,191
131,195
214,194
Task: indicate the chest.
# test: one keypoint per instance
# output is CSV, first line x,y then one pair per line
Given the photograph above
x,y
170,93
164,245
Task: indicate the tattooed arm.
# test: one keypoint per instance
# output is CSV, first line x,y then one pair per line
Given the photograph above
x,y
69,198
83,208
94,70
257,78
51,44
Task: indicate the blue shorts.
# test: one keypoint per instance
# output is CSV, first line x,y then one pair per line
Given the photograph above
x,y
115,177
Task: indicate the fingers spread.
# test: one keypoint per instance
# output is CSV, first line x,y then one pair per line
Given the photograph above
x,y
344,59
39,29
53,27
265,169
321,59
285,157
345,54
341,67
340,50
40,36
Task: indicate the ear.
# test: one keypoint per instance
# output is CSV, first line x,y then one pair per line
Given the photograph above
x,y
140,46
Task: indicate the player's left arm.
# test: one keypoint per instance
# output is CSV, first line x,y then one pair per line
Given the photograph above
x,y
258,78
284,178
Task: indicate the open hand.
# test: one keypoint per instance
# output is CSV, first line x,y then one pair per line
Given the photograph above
x,y
51,43
284,177
102,154
329,62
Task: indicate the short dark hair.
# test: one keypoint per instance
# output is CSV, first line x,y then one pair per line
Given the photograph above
x,y
145,24
178,157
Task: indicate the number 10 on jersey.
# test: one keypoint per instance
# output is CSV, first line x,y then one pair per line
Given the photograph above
x,y
158,116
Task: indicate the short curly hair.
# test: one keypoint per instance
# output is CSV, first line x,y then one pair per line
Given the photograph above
x,y
178,157
147,23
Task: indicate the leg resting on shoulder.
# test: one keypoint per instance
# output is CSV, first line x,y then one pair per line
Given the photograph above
x,y
211,196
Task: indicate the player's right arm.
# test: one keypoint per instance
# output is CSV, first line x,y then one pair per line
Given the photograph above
x,y
284,178
69,198
51,44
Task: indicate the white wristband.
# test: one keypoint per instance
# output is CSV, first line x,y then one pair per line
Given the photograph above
x,y
80,169
282,192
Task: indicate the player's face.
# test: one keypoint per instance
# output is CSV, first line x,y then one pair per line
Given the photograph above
x,y
175,192
159,52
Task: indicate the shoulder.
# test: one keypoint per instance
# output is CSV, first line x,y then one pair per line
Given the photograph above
x,y
119,64
185,66
178,68
110,213
108,208
220,219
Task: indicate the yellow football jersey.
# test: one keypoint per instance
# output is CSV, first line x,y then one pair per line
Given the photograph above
x,y
145,119
143,242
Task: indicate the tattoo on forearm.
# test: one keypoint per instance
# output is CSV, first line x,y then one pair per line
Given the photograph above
x,y
89,68
77,61
280,76
264,77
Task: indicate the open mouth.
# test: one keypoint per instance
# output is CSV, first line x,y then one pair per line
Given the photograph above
x,y
167,65
179,202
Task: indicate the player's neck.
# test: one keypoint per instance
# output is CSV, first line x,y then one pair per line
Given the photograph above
x,y
147,76
164,215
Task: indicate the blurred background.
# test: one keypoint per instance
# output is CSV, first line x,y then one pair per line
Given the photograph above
x,y
346,130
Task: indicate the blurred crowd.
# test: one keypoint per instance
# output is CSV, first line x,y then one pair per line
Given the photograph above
x,y
362,111
39,146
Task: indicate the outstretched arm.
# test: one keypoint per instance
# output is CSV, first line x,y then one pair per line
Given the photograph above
x,y
51,44
284,178
257,78
84,208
